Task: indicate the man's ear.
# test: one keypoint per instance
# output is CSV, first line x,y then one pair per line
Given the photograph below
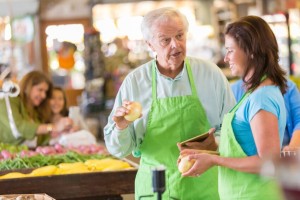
x,y
149,44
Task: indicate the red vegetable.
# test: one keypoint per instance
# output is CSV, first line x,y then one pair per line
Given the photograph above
x,y
6,154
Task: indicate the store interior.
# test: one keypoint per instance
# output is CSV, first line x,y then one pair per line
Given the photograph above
x,y
88,47
35,34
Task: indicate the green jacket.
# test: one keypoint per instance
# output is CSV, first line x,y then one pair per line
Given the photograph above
x,y
25,125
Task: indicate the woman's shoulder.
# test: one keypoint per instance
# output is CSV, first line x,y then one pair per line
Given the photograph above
x,y
267,91
267,97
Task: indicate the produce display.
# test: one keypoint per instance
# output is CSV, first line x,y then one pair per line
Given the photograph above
x,y
57,160
44,160
12,151
7,149
92,165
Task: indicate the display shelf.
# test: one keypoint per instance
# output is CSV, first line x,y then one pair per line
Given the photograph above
x,y
87,186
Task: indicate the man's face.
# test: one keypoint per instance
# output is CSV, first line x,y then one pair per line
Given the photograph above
x,y
169,42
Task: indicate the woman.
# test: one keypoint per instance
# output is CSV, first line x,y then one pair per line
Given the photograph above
x,y
31,112
253,130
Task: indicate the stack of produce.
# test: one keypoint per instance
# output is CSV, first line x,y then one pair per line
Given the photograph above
x,y
57,160
12,151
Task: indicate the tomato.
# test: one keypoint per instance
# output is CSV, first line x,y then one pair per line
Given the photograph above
x,y
135,110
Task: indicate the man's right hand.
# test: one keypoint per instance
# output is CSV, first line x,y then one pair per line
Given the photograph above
x,y
121,122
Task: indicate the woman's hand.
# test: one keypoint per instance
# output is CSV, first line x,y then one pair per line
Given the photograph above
x,y
121,122
203,162
75,128
63,125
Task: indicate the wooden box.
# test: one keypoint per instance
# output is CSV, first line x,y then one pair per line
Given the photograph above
x,y
85,186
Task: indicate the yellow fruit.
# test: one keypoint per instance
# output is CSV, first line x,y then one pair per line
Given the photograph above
x,y
72,168
185,164
107,164
70,165
117,165
77,170
13,175
44,171
135,110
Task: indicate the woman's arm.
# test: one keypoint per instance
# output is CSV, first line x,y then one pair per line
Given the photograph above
x,y
265,129
264,126
64,124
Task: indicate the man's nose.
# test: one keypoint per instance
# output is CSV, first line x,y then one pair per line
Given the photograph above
x,y
174,43
225,58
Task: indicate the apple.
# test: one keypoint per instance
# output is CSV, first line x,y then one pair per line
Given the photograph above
x,y
135,110
185,164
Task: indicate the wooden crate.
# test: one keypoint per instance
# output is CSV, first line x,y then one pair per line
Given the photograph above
x,y
85,186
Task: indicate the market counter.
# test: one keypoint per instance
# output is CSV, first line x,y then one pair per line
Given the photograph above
x,y
86,186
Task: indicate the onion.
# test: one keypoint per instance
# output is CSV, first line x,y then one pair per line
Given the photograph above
x,y
135,110
185,164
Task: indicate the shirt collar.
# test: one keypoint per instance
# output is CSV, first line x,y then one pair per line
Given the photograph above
x,y
178,77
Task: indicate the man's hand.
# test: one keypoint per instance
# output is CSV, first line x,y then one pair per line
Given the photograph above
x,y
121,122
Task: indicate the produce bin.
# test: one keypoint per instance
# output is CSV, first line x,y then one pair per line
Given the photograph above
x,y
107,185
95,185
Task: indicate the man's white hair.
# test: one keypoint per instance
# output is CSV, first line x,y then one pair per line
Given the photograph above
x,y
159,15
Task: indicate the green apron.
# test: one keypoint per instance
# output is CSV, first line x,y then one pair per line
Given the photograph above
x,y
172,120
240,185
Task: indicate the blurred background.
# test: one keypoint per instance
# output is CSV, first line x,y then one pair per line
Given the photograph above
x,y
89,46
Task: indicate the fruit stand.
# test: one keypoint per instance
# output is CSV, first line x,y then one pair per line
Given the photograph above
x,y
81,173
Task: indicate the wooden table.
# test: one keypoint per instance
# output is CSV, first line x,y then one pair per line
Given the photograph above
x,y
86,186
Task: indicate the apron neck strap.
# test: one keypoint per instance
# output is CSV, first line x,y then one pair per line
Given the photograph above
x,y
153,66
190,75
191,78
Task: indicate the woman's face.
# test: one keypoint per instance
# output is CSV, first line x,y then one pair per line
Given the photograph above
x,y
57,101
38,93
169,42
235,57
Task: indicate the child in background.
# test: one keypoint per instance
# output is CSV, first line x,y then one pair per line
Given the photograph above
x,y
58,105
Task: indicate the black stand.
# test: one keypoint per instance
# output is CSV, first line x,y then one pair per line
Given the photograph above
x,y
158,183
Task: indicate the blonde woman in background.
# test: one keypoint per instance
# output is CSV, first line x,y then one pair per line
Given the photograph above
x,y
31,112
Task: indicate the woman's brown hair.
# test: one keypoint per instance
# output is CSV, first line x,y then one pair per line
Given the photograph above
x,y
255,37
42,113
